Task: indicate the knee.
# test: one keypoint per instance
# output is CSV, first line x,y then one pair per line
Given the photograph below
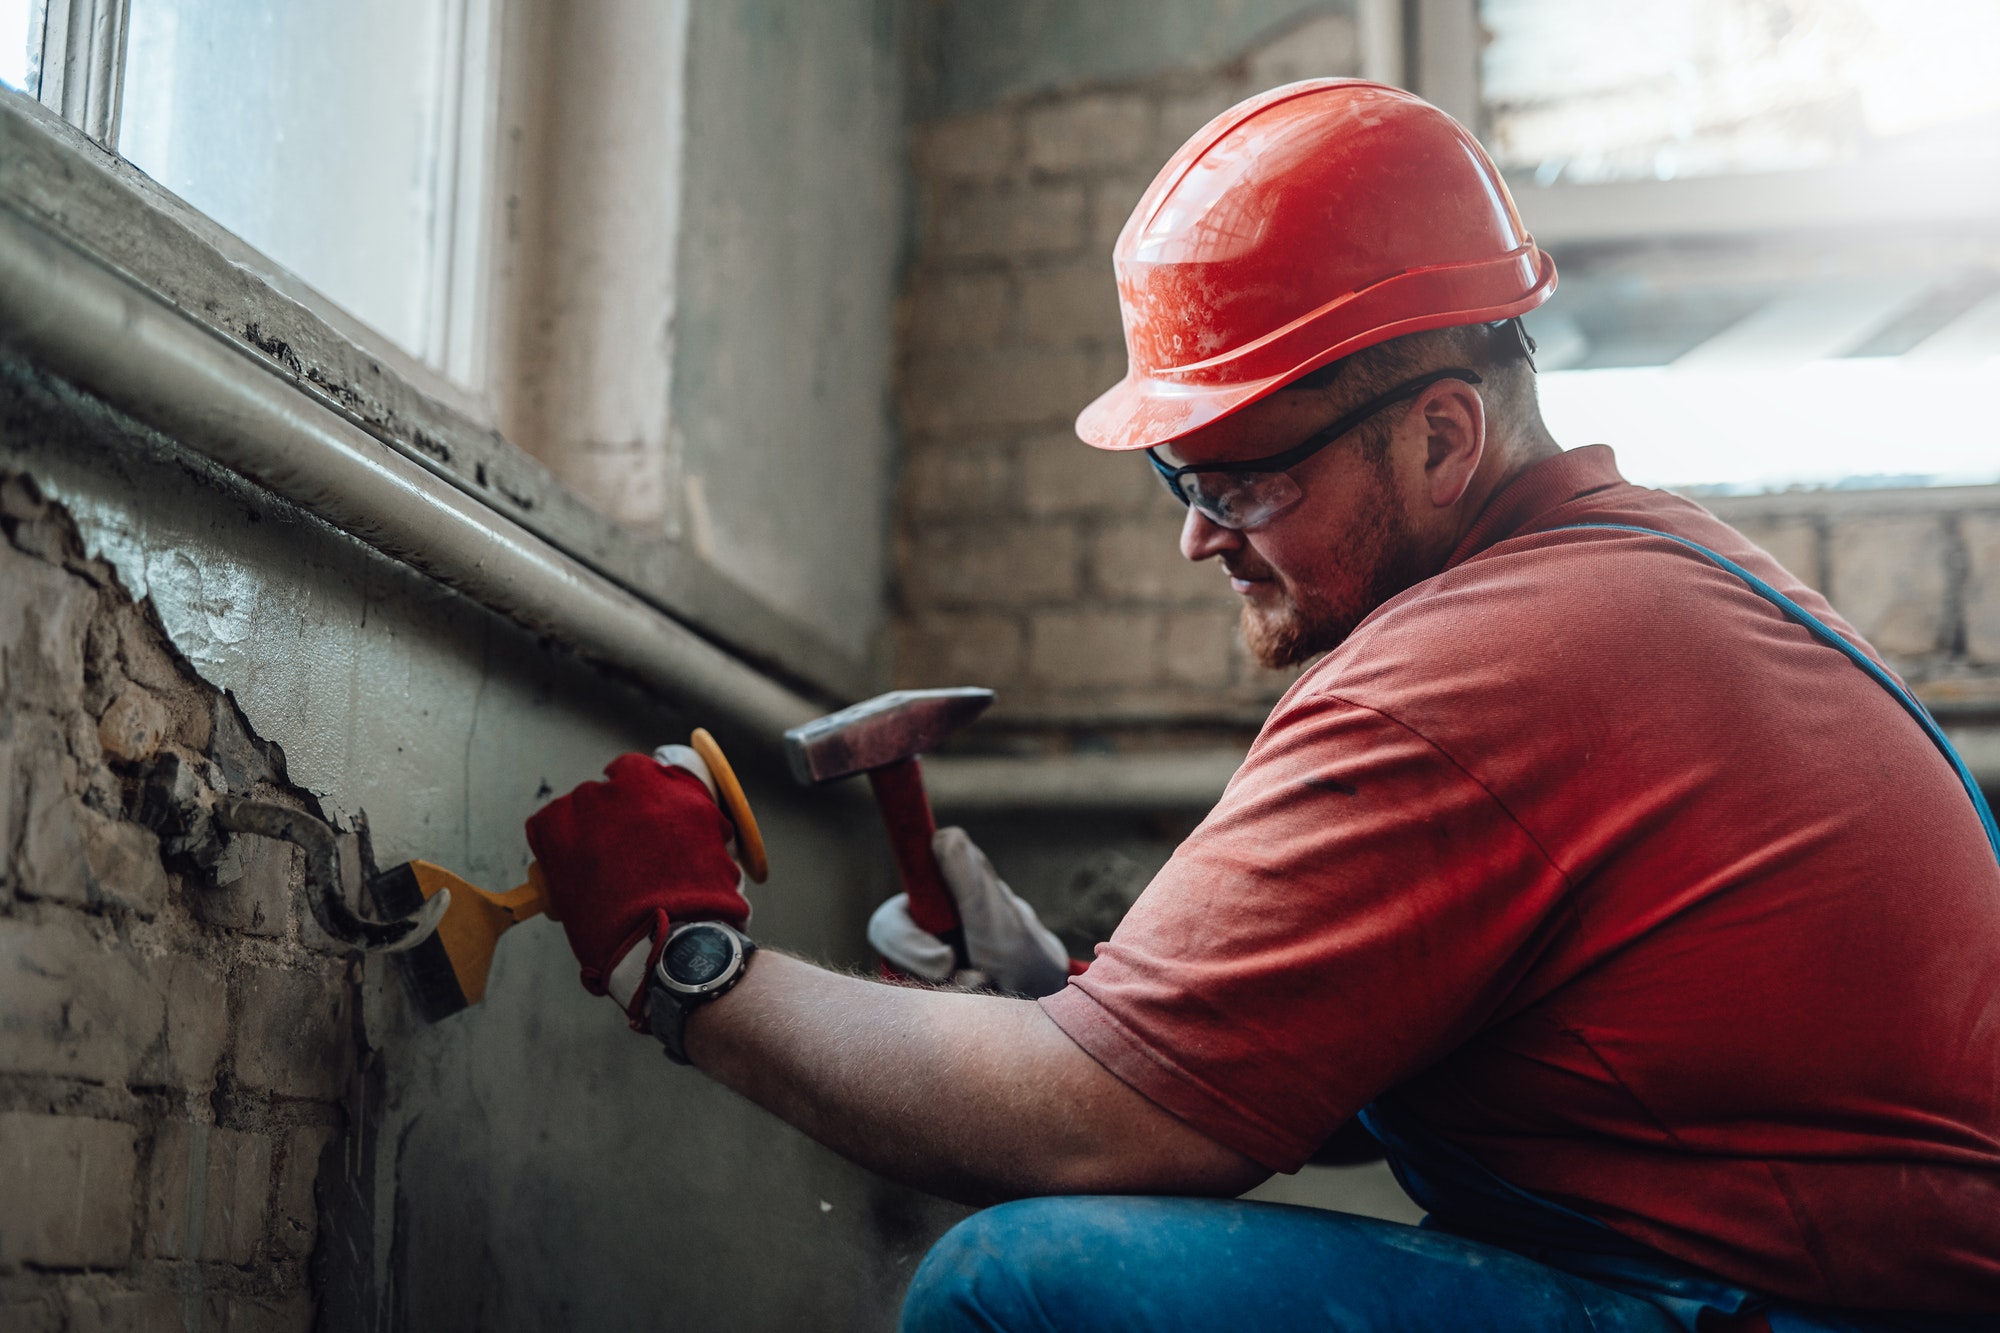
x,y
981,1274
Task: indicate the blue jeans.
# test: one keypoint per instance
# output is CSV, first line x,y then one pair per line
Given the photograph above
x,y
1149,1265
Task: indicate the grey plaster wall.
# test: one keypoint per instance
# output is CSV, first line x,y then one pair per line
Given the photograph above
x,y
529,1164
972,54
793,231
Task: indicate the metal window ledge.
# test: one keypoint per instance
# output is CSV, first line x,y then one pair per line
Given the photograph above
x,y
1191,780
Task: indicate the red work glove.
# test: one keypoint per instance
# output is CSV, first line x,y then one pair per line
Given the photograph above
x,y
626,857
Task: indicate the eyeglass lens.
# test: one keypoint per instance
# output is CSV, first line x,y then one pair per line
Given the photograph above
x,y
1239,500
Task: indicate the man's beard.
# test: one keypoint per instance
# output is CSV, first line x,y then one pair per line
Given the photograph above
x,y
1307,622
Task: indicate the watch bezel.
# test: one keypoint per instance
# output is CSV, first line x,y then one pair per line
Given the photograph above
x,y
721,981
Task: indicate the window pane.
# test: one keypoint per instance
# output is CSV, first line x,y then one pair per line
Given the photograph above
x,y
317,130
14,24
1593,90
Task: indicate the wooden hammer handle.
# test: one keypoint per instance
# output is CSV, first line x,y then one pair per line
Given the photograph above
x,y
906,813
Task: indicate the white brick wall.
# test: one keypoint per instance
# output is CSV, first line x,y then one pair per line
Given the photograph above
x,y
1026,561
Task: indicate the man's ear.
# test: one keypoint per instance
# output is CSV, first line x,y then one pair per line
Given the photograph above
x,y
1454,424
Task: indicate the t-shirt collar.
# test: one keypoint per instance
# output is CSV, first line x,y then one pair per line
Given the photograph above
x,y
1532,494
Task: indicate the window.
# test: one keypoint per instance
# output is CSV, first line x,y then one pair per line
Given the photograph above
x,y
1590,90
1770,216
15,20
349,140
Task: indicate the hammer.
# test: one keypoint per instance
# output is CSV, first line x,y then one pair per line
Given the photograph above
x,y
882,738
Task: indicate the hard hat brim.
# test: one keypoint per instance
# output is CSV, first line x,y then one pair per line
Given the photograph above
x,y
1144,412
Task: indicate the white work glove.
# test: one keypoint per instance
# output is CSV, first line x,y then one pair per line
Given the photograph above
x,y
1009,947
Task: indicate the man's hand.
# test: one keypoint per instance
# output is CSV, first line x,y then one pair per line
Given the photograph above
x,y
625,857
1008,946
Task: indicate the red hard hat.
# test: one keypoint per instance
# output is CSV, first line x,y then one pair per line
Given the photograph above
x,y
1297,228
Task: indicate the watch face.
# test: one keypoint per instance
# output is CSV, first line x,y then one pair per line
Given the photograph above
x,y
696,957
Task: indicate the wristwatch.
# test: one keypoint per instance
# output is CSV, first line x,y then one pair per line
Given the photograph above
x,y
702,960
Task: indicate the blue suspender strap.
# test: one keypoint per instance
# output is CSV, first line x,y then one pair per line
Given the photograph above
x,y
1819,630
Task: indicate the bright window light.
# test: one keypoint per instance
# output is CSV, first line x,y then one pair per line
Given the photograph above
x,y
14,24
1600,90
1859,422
327,133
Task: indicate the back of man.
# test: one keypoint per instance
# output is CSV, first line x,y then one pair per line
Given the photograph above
x,y
1656,906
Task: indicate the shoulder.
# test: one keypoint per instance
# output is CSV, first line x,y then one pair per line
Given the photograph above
x,y
1571,604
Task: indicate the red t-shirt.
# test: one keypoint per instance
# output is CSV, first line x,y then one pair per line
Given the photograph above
x,y
1650,902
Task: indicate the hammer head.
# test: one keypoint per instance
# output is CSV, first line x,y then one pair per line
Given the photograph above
x,y
890,727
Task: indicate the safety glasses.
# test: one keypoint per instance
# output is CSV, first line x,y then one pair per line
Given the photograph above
x,y
1240,496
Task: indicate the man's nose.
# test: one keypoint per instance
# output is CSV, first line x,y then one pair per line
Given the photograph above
x,y
1202,537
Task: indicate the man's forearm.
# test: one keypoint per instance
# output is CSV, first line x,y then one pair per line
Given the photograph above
x,y
975,1097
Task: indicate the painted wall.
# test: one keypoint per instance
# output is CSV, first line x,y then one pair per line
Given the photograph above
x,y
972,54
792,236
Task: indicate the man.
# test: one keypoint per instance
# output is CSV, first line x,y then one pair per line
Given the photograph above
x,y
1630,910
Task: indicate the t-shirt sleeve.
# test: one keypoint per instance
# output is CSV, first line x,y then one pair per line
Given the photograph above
x,y
1354,908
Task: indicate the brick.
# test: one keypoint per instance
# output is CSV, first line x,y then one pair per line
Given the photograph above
x,y
1070,303
947,649
146,658
1198,647
296,1225
1111,203
1323,47
988,566
208,1193
1140,560
32,1313
43,617
243,759
959,309
133,726
51,862
1183,113
1089,133
1792,542
75,1006
1060,474
981,147
294,1034
69,1199
13,802
103,676
1080,649
111,1311
956,477
1887,577
253,887
947,392
123,861
1006,222
1981,534
71,1006
235,1313
197,1023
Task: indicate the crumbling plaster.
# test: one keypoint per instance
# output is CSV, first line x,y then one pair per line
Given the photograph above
x,y
531,1151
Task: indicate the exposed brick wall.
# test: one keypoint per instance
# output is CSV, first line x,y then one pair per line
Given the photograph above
x,y
1024,560
175,1038
1916,571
